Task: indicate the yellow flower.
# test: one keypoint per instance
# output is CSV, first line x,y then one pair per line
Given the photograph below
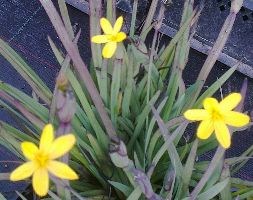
x,y
42,160
216,116
111,37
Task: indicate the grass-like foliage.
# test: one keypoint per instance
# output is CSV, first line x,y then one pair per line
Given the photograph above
x,y
128,113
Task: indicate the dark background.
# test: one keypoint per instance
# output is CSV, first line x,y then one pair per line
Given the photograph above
x,y
25,26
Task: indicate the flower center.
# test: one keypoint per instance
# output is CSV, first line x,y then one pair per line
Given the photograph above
x,y
216,115
42,159
113,38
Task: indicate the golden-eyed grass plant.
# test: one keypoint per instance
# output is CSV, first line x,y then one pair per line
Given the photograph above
x,y
126,112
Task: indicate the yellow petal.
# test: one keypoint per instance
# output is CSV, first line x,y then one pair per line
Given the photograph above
x,y
222,134
100,39
29,150
120,37
211,104
118,24
205,129
231,101
196,114
61,145
23,171
236,119
109,49
41,182
106,26
61,170
47,137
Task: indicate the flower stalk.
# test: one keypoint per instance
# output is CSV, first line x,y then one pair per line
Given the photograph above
x,y
79,64
65,110
218,45
213,164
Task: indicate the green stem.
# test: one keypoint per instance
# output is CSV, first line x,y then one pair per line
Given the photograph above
x,y
64,66
213,164
65,18
111,10
149,19
95,15
217,47
133,20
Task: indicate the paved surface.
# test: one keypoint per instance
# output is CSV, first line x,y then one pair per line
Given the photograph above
x,y
25,26
210,23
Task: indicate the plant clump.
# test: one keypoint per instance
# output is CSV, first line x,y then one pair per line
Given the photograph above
x,y
128,113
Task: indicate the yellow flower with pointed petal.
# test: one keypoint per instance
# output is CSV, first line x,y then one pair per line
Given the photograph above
x,y
216,116
111,37
41,160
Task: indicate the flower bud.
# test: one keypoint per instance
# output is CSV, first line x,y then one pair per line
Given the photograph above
x,y
65,100
144,183
169,179
118,153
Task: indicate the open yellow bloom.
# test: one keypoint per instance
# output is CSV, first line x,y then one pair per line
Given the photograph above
x,y
216,116
42,160
111,37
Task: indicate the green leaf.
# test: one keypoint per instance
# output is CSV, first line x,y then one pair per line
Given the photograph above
x,y
21,196
102,138
96,148
171,92
189,167
215,175
129,87
168,145
149,19
152,124
126,190
65,18
151,148
103,80
238,181
135,195
133,20
248,152
19,135
115,86
30,103
26,72
225,174
76,153
213,191
21,119
141,120
53,195
162,61
2,197
246,195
